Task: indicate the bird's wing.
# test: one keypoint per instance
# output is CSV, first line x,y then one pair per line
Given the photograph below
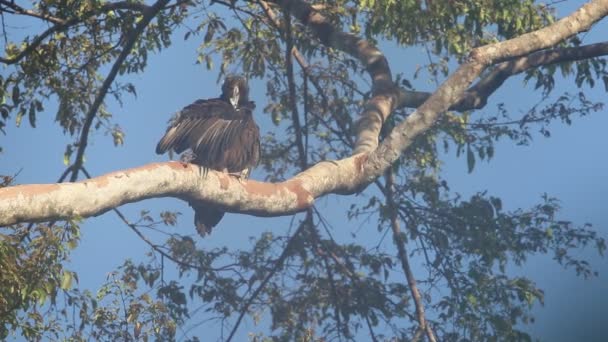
x,y
191,124
220,136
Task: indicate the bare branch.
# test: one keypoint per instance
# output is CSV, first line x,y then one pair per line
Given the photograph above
x,y
307,72
291,85
278,265
403,258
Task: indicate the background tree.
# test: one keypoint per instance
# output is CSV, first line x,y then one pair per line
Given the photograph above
x,y
305,284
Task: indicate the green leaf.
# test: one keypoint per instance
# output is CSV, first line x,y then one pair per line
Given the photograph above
x,y
472,300
490,151
66,280
32,115
4,111
208,62
67,154
16,94
73,243
470,159
19,117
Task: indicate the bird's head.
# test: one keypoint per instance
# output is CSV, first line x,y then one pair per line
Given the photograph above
x,y
235,90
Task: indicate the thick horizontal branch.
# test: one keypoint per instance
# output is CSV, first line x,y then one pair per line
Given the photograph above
x,y
95,196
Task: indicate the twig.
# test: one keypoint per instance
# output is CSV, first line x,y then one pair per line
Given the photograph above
x,y
402,253
330,276
291,84
278,265
306,69
148,241
20,10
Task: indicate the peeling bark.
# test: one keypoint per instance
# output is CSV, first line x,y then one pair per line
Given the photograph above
x,y
37,202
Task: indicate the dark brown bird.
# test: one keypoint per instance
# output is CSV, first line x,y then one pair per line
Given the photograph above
x,y
222,135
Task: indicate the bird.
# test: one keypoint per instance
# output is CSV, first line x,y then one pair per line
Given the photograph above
x,y
221,134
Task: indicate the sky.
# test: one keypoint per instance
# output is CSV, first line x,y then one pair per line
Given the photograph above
x,y
571,165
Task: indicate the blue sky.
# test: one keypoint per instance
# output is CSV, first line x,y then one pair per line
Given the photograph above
x,y
571,165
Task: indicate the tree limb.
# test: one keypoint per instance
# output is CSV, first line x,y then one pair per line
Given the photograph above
x,y
384,91
20,10
477,96
399,241
452,90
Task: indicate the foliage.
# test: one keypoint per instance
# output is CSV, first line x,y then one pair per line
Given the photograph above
x,y
309,285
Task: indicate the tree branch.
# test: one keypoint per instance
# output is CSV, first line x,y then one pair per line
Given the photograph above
x,y
71,22
20,10
276,267
403,258
307,72
476,97
453,89
384,91
149,13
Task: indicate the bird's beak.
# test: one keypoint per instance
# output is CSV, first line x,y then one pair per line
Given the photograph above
x,y
235,97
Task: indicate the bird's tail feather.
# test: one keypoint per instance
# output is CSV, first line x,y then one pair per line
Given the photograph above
x,y
205,218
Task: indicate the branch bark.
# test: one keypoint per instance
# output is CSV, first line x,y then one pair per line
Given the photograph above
x,y
476,97
346,176
384,91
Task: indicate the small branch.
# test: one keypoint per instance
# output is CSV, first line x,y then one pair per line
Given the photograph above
x,y
20,10
71,22
403,258
291,85
384,91
154,246
277,266
371,329
307,70
130,42
330,276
